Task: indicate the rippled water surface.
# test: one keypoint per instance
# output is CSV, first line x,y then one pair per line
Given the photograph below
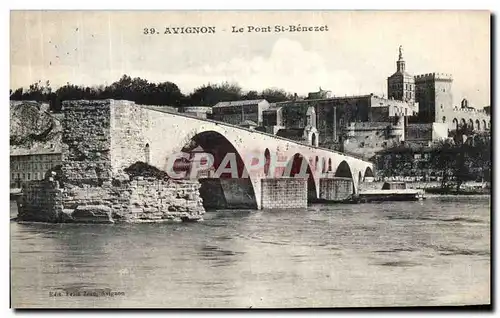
x,y
434,252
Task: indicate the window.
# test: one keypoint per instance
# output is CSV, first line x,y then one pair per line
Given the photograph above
x,y
441,106
418,156
444,119
29,176
24,176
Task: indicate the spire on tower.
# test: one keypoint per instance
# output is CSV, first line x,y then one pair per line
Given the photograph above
x,y
401,63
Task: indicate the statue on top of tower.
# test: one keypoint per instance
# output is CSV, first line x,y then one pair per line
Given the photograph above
x,y
400,52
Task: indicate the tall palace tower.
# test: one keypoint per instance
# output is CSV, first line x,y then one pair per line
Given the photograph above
x,y
401,85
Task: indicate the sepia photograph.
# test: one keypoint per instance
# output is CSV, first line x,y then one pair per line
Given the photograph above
x,y
250,159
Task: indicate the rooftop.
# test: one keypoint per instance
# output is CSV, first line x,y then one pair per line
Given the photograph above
x,y
239,103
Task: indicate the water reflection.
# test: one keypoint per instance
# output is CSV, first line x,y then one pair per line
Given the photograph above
x,y
423,253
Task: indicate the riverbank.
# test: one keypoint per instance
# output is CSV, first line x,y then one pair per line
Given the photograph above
x,y
434,188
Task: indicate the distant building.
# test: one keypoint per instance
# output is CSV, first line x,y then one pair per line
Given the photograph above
x,y
33,164
401,85
487,110
36,145
249,124
434,96
333,115
197,111
236,112
302,128
425,133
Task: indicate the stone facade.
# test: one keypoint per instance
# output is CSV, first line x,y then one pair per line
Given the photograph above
x,y
87,136
41,201
401,85
101,139
335,189
434,96
132,201
426,133
127,142
333,114
284,193
367,138
227,193
477,119
236,112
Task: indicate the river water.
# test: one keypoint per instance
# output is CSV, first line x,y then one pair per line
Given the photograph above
x,y
433,252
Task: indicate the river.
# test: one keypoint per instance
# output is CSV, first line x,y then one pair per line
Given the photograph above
x,y
433,252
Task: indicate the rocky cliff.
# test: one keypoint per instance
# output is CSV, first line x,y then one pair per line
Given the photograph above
x,y
33,127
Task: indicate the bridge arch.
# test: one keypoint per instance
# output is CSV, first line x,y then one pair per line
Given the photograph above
x,y
368,173
343,170
297,167
225,155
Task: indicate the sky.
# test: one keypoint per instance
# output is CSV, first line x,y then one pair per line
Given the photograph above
x,y
355,56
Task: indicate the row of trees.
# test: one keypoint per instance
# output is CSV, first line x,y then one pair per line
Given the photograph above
x,y
465,156
144,92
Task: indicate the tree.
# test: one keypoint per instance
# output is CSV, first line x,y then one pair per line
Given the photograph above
x,y
274,95
211,94
465,158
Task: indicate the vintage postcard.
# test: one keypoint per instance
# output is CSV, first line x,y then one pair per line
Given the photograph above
x,y
251,159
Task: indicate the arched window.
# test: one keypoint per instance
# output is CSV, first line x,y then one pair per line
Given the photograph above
x,y
484,125
313,139
444,119
463,123
455,123
329,164
478,125
147,154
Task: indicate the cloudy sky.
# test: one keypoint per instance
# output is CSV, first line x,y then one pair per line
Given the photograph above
x,y
355,55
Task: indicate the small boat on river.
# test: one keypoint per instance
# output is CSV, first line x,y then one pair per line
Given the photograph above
x,y
391,191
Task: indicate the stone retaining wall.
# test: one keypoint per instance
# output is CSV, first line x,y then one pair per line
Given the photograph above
x,y
130,201
284,193
335,189
41,201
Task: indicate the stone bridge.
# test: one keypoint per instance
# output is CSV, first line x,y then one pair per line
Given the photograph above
x,y
133,133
